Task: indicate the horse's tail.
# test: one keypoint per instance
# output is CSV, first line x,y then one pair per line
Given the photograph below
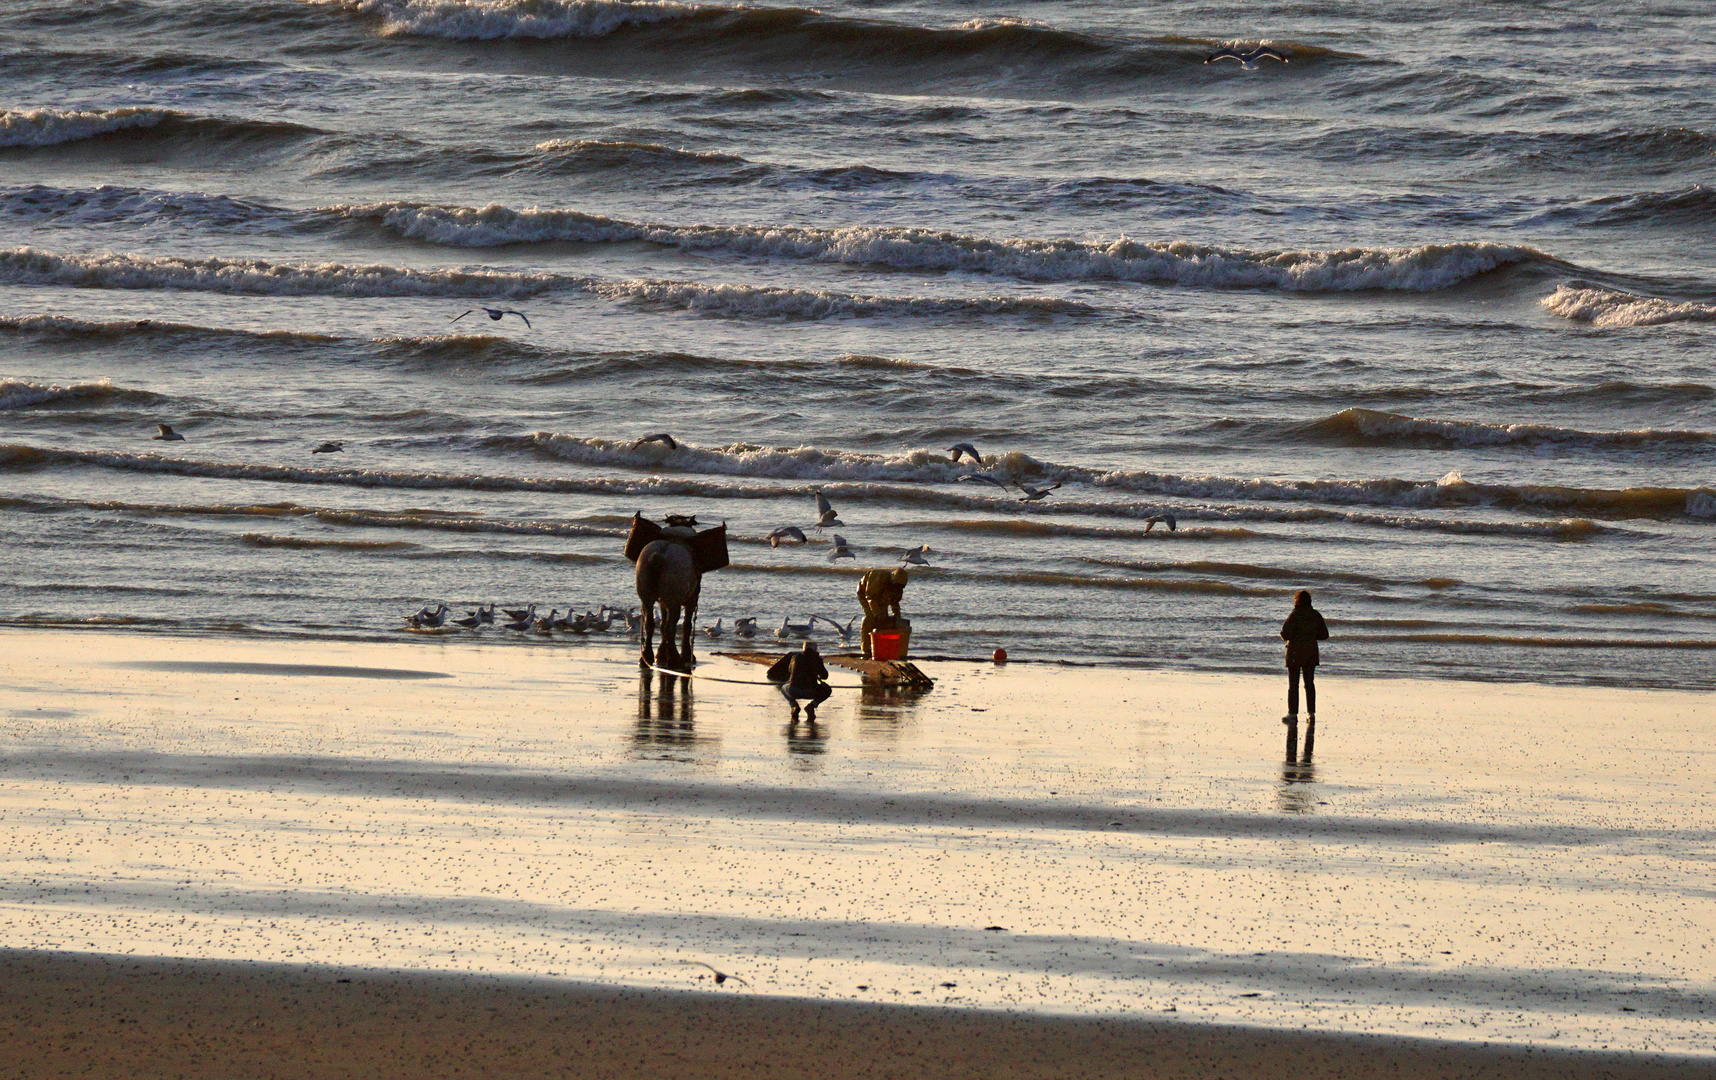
x,y
651,567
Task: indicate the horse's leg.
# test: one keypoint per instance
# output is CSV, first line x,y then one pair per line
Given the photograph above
x,y
691,620
648,632
667,656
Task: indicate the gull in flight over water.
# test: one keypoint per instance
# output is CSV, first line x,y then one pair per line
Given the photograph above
x,y
1247,60
786,533
825,513
959,448
1035,494
841,551
1168,516
916,555
494,313
984,478
167,434
660,437
845,632
330,448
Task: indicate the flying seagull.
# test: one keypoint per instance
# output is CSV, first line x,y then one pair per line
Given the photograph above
x,y
660,437
1168,516
1035,494
825,512
167,434
493,313
1247,60
959,448
330,448
984,478
841,551
720,976
916,555
785,533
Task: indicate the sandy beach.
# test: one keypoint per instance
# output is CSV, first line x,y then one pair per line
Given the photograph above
x,y
1474,876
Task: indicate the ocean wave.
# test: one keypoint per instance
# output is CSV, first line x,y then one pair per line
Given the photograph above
x,y
616,153
1577,505
265,540
38,128
113,204
259,277
1368,427
490,20
1416,269
23,393
1584,302
50,127
1694,205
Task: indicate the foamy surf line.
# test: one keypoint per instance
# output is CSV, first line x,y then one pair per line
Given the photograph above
x,y
257,277
1414,269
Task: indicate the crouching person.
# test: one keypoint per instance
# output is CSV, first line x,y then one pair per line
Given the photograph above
x,y
802,676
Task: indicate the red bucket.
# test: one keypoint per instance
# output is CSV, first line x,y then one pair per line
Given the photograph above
x,y
887,645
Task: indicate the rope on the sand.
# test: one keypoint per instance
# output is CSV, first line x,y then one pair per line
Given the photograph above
x,y
742,682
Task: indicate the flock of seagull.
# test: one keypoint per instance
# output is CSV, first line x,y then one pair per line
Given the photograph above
x,y
604,619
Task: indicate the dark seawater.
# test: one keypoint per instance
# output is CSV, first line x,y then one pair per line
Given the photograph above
x,y
1421,320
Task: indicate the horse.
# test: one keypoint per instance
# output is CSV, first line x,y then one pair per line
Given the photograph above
x,y
671,563
667,576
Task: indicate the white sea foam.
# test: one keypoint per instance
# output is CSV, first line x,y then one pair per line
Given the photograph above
x,y
1418,269
49,127
488,20
1583,302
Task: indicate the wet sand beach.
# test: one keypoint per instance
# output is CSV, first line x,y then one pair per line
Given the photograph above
x,y
1029,846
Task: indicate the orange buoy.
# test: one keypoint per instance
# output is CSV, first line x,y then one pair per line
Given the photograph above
x,y
1000,656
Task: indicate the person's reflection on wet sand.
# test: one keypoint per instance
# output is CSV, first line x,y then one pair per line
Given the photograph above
x,y
667,720
1296,794
806,741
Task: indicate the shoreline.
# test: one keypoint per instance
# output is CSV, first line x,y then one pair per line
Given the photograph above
x,y
1466,862
102,1015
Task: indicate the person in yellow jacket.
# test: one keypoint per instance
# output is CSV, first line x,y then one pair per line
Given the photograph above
x,y
1302,630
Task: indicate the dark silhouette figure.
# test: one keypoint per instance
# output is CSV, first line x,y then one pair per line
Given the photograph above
x,y
802,676
1302,630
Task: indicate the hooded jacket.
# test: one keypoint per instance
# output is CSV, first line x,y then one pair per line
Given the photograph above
x,y
1302,630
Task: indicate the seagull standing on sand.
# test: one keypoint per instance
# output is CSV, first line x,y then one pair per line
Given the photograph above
x,y
746,627
713,629
959,448
785,533
167,434
791,629
1168,516
330,448
660,437
1247,60
841,551
1035,494
493,313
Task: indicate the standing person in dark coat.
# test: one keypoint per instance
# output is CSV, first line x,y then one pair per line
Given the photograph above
x,y
802,675
1302,630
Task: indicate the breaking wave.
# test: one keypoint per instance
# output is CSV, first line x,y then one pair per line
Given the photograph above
x,y
489,20
1368,427
1584,302
1416,269
259,277
23,393
37,128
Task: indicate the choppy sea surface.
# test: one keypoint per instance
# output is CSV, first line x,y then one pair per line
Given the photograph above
x,y
1420,319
